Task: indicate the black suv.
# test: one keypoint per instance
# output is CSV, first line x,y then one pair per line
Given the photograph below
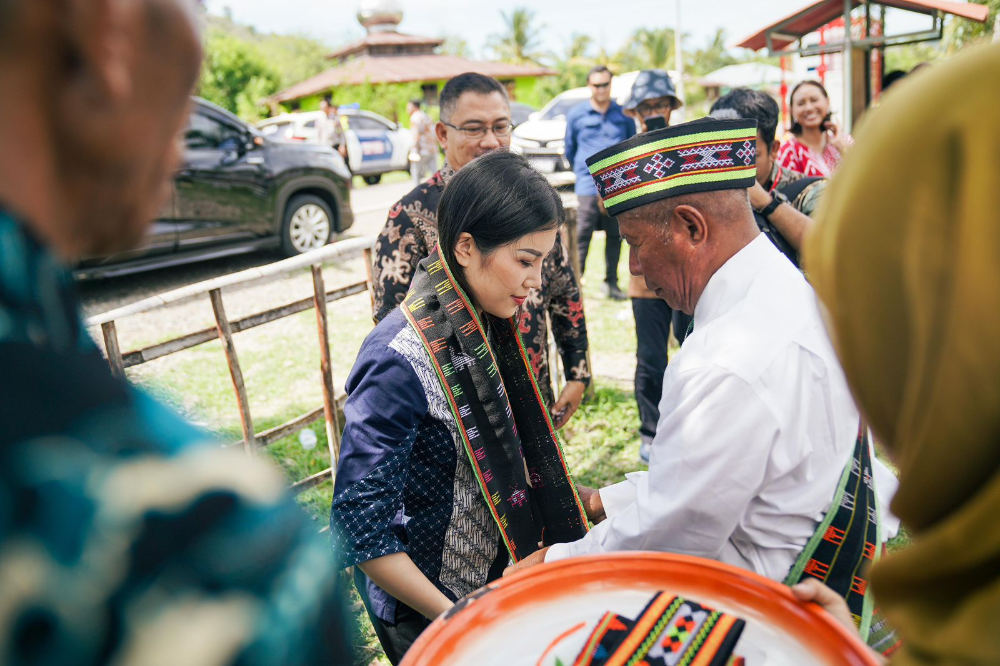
x,y
238,191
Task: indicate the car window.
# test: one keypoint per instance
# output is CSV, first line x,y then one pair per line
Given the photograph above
x,y
204,133
310,125
561,108
364,123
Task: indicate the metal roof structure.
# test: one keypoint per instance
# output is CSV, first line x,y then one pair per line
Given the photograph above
x,y
781,37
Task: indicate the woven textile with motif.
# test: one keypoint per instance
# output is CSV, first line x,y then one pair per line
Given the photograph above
x,y
846,544
670,631
504,425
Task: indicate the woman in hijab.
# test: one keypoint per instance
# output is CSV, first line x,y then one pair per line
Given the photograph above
x,y
910,279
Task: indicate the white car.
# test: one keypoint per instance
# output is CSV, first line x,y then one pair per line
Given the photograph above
x,y
375,145
542,138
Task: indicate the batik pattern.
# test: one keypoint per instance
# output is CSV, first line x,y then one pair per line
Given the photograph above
x,y
471,538
410,234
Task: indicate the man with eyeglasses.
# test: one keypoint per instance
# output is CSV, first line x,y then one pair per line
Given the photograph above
x,y
475,119
591,127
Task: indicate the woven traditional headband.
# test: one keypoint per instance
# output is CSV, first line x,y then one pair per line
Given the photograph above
x,y
699,156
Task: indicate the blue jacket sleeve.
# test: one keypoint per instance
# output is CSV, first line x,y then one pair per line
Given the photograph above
x,y
385,406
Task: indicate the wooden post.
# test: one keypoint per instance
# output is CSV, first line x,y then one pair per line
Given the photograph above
x,y
369,257
114,351
326,369
226,336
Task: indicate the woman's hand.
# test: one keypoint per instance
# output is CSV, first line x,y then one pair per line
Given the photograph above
x,y
592,503
568,402
835,138
400,577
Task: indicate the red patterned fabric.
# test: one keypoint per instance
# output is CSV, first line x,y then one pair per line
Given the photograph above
x,y
799,157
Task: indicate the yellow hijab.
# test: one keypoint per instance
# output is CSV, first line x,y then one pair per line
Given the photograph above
x,y
906,259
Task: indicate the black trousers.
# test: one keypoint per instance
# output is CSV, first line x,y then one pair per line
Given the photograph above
x,y
396,638
588,220
681,324
652,332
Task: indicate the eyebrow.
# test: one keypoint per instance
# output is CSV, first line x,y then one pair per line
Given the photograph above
x,y
533,252
477,121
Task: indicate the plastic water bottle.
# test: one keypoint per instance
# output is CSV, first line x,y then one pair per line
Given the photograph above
x,y
307,438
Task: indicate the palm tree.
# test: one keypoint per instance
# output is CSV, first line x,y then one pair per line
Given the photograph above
x,y
520,41
655,47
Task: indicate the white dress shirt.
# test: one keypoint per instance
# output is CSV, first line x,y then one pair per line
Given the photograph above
x,y
756,426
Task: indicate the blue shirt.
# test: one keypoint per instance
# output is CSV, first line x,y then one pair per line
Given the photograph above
x,y
588,132
116,514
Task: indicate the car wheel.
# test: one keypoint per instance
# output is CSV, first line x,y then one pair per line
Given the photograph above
x,y
308,225
373,180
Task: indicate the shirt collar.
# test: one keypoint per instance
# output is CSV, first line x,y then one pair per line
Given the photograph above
x,y
731,282
37,293
774,179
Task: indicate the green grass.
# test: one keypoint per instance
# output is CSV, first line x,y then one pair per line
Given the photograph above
x,y
280,362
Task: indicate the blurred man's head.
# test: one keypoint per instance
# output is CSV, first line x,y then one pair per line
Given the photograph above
x,y
412,106
755,105
599,82
475,118
102,90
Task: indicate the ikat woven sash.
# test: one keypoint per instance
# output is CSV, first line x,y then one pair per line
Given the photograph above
x,y
670,631
504,425
847,543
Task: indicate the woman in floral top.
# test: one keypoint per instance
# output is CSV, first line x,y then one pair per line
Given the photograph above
x,y
817,144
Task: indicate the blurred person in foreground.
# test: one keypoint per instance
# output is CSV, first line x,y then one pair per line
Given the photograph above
x,y
475,120
653,98
817,145
122,539
783,200
760,459
887,268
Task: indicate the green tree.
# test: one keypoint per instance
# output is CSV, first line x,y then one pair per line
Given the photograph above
x,y
573,66
294,58
906,57
714,56
962,32
519,42
235,76
385,99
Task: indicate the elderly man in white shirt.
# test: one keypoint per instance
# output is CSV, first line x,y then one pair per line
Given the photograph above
x,y
756,421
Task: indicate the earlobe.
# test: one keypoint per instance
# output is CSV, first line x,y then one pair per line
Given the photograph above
x,y
691,223
441,132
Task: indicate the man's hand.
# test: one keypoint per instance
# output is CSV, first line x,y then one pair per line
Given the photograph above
x,y
536,557
812,590
759,197
592,504
568,402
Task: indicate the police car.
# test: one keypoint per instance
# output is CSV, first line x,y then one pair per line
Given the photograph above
x,y
375,145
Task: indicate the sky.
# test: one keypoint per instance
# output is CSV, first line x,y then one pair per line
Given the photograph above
x,y
335,22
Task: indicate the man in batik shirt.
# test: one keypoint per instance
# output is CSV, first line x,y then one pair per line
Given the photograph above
x,y
475,119
123,540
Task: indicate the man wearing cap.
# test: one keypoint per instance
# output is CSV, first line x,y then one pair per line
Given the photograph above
x,y
757,428
652,99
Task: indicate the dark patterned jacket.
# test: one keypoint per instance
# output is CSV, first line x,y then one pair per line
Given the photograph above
x,y
126,536
410,234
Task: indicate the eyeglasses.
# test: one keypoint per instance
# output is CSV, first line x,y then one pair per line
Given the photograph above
x,y
599,85
650,108
479,131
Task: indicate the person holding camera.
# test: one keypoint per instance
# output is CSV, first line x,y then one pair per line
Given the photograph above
x,y
817,145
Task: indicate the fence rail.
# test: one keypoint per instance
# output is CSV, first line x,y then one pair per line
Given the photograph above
x,y
225,330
